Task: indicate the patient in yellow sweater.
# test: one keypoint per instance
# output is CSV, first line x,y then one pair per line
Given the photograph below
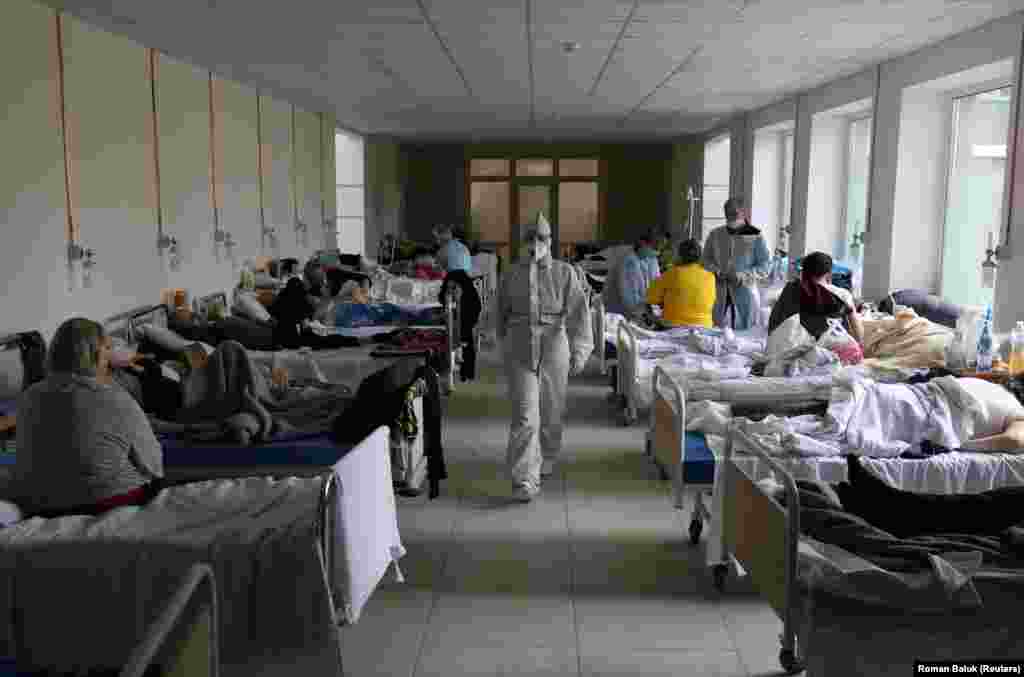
x,y
686,293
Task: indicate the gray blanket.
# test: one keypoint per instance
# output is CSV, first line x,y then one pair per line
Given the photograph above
x,y
851,558
231,398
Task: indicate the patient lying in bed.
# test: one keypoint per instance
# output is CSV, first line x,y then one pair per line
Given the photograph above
x,y
886,420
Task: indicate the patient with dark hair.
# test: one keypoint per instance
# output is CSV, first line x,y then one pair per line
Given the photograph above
x,y
817,300
84,443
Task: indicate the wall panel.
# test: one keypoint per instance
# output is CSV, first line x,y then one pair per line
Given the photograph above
x,y
183,114
307,175
276,182
108,106
33,218
237,160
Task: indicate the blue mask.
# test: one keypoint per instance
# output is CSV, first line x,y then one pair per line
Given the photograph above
x,y
646,253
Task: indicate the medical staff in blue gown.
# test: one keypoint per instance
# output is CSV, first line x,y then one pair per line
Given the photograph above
x,y
625,290
544,326
738,256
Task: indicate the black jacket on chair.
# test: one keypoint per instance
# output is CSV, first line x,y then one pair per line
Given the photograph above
x,y
471,308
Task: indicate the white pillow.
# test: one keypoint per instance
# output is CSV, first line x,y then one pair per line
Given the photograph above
x,y
9,514
996,406
247,305
166,339
11,374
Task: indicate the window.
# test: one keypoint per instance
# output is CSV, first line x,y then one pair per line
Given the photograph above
x,y
974,203
716,183
858,168
567,190
349,171
786,199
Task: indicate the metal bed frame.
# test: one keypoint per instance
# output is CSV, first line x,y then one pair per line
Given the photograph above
x,y
756,530
188,619
763,536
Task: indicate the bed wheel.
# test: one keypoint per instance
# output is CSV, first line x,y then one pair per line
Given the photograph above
x,y
696,527
721,573
627,419
789,662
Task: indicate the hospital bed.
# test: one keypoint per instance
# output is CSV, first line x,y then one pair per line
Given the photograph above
x,y
764,536
345,366
180,641
350,365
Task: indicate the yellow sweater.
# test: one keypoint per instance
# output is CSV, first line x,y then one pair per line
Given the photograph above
x,y
686,295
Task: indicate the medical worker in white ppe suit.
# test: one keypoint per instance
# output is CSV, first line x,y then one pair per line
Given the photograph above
x,y
544,326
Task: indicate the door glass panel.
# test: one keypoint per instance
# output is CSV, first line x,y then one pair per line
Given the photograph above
x,y
577,215
578,167
534,200
535,167
490,214
490,167
974,206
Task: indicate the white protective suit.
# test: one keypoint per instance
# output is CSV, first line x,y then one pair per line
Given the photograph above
x,y
544,325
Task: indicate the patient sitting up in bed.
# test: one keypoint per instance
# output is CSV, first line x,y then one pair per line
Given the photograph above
x,y
84,444
686,293
817,300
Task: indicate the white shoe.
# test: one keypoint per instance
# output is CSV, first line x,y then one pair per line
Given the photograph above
x,y
523,494
547,468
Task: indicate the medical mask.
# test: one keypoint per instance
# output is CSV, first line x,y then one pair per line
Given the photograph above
x,y
539,250
647,253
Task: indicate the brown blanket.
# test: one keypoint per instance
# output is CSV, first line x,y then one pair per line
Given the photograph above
x,y
907,341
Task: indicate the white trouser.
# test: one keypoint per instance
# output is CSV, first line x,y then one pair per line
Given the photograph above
x,y
538,401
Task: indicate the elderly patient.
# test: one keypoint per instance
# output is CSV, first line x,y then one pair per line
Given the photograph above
x,y
84,444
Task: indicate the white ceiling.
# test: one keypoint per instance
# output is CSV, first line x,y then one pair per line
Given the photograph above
x,y
496,69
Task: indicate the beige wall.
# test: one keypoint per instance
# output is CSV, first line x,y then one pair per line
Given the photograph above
x,y
138,129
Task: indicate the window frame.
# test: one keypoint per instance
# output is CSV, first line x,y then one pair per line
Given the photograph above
x,y
718,138
786,188
952,146
339,219
515,181
844,203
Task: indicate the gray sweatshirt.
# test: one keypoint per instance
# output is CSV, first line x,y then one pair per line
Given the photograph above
x,y
80,441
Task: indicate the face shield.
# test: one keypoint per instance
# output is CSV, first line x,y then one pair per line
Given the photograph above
x,y
538,246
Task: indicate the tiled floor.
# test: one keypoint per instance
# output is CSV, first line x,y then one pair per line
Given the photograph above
x,y
595,578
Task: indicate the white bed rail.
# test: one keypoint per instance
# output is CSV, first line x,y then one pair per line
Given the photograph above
x,y
627,371
672,420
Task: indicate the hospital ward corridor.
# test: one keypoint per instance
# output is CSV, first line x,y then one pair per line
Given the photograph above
x,y
595,577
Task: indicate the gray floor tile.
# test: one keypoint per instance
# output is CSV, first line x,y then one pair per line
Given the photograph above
x,y
507,661
493,620
651,623
389,635
663,664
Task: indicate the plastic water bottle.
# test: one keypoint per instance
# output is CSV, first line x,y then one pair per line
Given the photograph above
x,y
985,343
956,357
1017,349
